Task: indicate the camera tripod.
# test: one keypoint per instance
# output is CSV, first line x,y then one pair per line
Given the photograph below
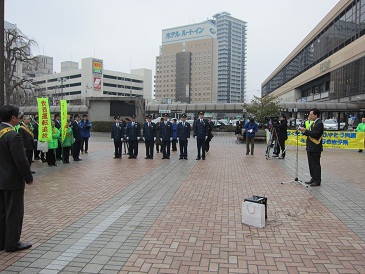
x,y
273,142
296,164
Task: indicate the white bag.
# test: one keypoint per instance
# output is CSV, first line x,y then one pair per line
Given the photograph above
x,y
42,146
253,214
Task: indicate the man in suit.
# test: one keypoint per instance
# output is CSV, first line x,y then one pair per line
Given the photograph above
x,y
314,147
35,132
149,136
117,136
133,132
183,136
76,130
201,131
28,138
14,173
166,136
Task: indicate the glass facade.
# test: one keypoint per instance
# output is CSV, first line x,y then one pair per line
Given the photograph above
x,y
346,28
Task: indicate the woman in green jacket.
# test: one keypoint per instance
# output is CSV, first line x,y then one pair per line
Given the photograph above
x,y
52,146
67,143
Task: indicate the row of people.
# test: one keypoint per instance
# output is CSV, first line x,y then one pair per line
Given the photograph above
x,y
162,134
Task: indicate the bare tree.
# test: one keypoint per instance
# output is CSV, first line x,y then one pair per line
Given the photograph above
x,y
17,54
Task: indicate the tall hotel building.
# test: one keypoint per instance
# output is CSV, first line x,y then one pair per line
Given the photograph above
x,y
329,64
186,69
231,37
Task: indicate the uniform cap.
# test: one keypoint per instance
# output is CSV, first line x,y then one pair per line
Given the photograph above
x,y
116,117
133,116
165,115
183,115
201,113
149,116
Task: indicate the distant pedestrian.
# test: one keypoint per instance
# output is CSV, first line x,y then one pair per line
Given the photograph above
x,y
85,126
28,138
76,130
67,143
149,136
210,134
57,120
158,136
251,128
35,132
174,134
282,134
314,147
166,136
53,145
361,128
183,136
201,131
14,173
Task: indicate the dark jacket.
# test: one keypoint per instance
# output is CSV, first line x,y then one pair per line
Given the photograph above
x,y
183,132
149,132
35,130
316,132
57,124
27,136
85,128
252,126
14,165
165,131
133,132
76,129
201,129
282,129
118,132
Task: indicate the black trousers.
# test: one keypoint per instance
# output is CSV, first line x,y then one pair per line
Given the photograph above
x,y
36,151
174,142
76,149
59,151
207,144
29,154
85,140
200,143
165,148
51,157
183,144
66,154
11,218
149,148
133,148
314,162
281,147
118,149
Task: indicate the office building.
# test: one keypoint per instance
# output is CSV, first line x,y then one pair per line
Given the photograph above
x,y
186,68
329,64
231,37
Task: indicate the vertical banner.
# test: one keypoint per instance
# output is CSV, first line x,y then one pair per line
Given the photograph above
x,y
63,118
44,116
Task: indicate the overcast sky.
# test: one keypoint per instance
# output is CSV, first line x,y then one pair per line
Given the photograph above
x,y
127,33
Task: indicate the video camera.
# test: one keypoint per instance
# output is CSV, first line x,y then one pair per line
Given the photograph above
x,y
273,119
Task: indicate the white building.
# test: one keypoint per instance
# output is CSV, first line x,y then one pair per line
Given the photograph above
x,y
77,85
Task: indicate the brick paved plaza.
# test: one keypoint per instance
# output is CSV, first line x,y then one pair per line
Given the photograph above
x,y
105,215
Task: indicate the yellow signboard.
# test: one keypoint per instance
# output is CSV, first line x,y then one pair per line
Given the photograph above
x,y
64,118
97,66
44,116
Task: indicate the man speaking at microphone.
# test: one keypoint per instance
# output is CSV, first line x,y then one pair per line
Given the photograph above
x,y
314,147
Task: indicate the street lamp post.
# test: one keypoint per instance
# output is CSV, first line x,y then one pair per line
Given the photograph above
x,y
62,79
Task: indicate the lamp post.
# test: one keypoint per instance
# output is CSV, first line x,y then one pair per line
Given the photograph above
x,y
62,79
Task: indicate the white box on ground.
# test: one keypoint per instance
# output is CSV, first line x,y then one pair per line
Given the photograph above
x,y
253,214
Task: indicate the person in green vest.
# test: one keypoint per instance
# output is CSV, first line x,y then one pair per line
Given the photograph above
x,y
52,146
361,128
307,124
67,143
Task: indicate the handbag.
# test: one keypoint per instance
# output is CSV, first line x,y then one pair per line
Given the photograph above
x,y
253,214
42,146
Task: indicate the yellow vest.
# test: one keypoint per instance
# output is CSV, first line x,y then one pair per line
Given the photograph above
x,y
308,124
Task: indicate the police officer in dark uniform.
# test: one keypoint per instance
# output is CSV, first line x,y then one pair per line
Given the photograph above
x,y
149,136
133,132
201,134
183,136
76,130
117,136
166,136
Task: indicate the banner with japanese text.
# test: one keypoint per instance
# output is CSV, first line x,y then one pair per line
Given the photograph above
x,y
63,118
332,139
44,116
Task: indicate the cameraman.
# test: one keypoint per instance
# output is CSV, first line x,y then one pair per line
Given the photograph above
x,y
282,134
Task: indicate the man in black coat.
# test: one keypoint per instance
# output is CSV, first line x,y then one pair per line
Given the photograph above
x,y
35,132
14,173
314,147
282,135
165,136
133,133
201,131
76,130
183,136
149,136
28,138
57,120
117,136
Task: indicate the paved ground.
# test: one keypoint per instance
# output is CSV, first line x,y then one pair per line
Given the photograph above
x,y
174,216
